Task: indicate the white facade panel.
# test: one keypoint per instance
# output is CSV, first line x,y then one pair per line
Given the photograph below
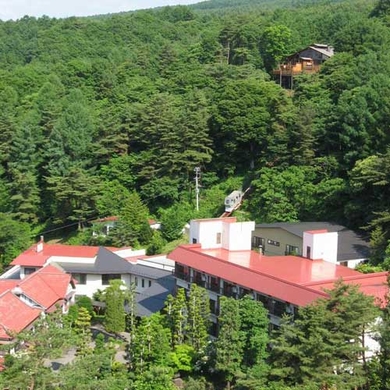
x,y
93,283
222,233
320,246
67,259
124,253
239,235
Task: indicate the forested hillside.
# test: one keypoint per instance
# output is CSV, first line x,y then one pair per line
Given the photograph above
x,y
110,116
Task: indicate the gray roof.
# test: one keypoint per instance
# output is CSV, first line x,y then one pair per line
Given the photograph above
x,y
152,300
323,49
108,262
351,245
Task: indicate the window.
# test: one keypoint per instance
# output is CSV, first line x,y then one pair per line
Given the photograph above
x,y
80,278
308,252
143,283
272,242
213,307
292,250
194,240
29,270
108,277
136,281
219,237
258,242
150,283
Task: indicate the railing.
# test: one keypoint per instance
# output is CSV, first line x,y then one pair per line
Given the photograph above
x,y
182,276
289,70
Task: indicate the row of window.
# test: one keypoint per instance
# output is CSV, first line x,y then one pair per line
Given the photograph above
x,y
82,279
259,243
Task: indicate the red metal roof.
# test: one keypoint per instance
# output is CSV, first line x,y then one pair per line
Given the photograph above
x,y
289,278
47,286
15,315
7,284
32,258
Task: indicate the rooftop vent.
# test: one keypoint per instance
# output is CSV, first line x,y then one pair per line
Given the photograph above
x,y
17,291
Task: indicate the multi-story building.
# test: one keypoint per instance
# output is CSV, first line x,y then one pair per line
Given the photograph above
x,y
220,259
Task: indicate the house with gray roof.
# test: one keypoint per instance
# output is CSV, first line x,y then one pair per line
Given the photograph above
x,y
285,238
152,285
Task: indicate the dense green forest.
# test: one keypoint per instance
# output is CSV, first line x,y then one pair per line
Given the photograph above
x,y
110,115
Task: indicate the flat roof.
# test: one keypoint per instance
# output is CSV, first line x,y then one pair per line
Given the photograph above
x,y
289,278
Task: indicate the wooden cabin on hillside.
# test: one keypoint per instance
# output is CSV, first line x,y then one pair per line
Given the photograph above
x,y
307,60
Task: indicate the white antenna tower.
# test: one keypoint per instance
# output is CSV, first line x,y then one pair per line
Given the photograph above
x,y
197,176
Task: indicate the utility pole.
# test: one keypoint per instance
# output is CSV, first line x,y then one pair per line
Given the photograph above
x,y
197,176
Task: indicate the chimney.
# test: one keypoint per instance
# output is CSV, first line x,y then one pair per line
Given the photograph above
x,y
40,245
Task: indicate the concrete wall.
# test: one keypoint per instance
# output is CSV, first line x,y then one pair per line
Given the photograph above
x,y
238,236
320,246
94,283
205,232
221,233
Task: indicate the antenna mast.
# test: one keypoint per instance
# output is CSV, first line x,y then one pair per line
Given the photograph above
x,y
197,176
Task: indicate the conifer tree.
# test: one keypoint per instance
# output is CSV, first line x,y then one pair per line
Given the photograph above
x,y
177,316
325,344
150,345
229,345
115,316
83,324
23,170
198,318
254,328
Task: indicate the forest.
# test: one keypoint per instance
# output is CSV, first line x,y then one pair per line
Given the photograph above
x,y
109,115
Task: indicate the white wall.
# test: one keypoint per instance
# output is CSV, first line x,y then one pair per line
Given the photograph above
x,y
160,262
323,246
205,232
238,236
124,253
355,262
232,235
67,259
94,283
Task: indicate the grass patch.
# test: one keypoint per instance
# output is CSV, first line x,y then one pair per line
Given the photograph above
x,y
170,246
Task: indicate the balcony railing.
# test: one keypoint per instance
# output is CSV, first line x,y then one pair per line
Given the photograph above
x,y
292,70
182,276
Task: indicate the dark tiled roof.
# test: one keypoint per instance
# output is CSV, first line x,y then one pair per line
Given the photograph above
x,y
351,245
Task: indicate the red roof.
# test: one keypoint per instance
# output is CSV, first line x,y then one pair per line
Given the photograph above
x,y
15,315
47,286
7,284
289,278
107,219
32,258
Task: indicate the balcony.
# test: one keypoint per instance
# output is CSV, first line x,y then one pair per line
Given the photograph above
x,y
182,276
297,69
